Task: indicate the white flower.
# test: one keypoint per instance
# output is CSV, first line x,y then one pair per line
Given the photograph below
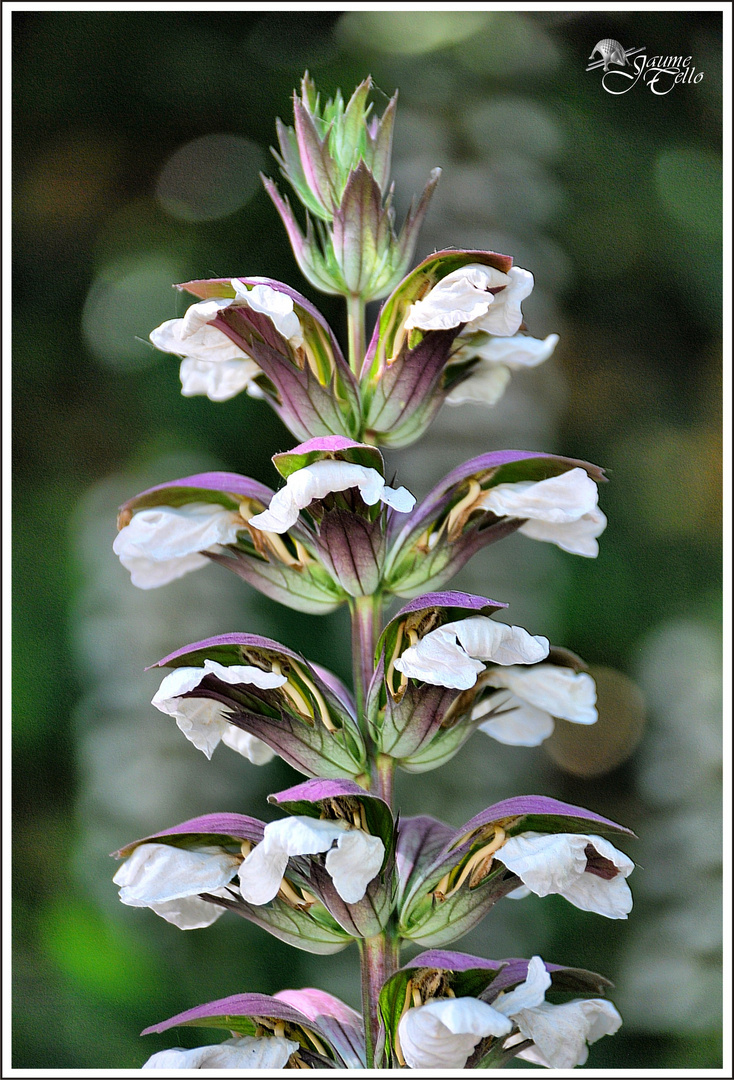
x,y
194,336
561,1032
241,1052
561,510
168,880
353,857
217,380
278,306
587,870
212,364
444,1032
463,297
163,543
498,358
452,655
203,720
533,697
459,297
319,480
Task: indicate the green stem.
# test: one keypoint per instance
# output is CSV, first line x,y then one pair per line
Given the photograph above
x,y
356,333
366,626
380,957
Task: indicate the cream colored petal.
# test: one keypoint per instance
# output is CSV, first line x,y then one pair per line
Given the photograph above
x,y
249,746
545,862
163,533
504,317
518,351
191,912
559,500
485,639
354,862
555,690
561,1032
578,537
529,993
486,385
242,1052
153,573
156,873
442,1034
439,660
218,381
320,479
517,723
278,306
460,297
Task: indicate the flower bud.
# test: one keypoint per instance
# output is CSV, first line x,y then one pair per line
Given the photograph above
x,y
338,162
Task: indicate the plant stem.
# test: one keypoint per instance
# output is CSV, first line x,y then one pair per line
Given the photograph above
x,y
366,626
380,958
356,333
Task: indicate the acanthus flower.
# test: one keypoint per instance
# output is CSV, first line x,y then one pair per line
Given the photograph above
x,y
461,515
453,1032
586,870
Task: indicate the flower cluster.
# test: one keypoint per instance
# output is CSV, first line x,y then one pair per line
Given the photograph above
x,y
341,865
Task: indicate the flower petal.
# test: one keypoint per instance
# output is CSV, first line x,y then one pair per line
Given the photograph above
x,y
564,863
443,1033
278,306
486,385
504,317
249,746
320,479
242,1052
555,690
204,720
459,297
173,537
561,1032
516,723
190,912
156,873
578,537
529,993
558,499
219,381
450,656
485,639
354,862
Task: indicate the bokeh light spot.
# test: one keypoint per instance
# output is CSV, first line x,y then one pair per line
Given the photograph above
x,y
126,300
210,177
601,747
411,33
689,186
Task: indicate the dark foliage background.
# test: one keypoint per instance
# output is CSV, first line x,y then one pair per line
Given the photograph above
x,y
614,203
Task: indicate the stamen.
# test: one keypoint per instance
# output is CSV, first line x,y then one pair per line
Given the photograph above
x,y
318,1045
323,710
459,514
406,1005
396,653
246,847
290,894
477,857
416,995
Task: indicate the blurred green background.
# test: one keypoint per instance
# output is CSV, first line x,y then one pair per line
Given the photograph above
x,y
137,142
